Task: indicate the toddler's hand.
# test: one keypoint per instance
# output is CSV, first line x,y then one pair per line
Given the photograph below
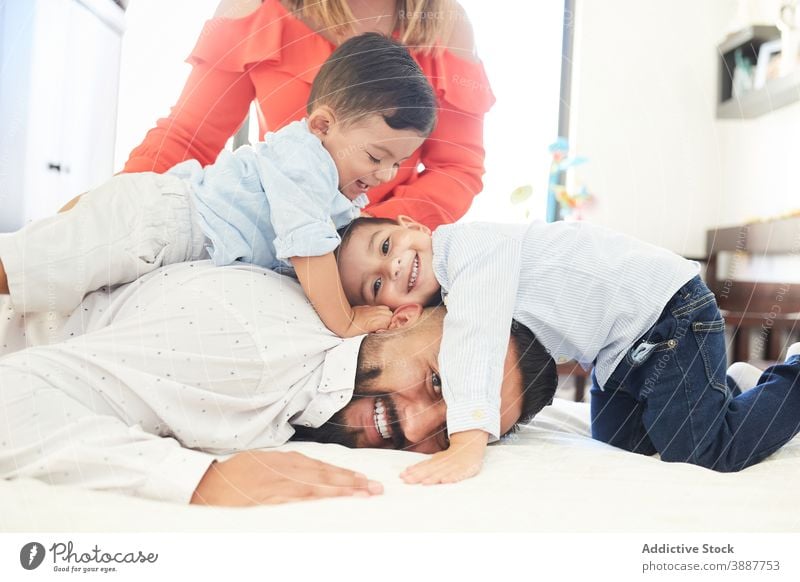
x,y
369,318
462,460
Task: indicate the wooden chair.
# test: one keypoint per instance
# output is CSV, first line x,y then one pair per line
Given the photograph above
x,y
578,375
771,309
768,308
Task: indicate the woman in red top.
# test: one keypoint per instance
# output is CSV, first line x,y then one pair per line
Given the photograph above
x,y
270,51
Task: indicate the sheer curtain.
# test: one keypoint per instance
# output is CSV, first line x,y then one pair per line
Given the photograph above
x,y
520,45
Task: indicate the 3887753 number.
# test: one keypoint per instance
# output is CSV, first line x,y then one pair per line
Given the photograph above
x,y
754,565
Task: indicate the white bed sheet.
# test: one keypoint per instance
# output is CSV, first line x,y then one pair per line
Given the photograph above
x,y
548,477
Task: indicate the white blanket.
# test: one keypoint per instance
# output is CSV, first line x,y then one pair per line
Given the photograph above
x,y
550,476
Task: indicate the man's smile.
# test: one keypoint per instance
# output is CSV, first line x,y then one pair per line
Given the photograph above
x,y
381,426
381,421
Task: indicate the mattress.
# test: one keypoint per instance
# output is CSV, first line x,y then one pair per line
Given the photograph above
x,y
550,476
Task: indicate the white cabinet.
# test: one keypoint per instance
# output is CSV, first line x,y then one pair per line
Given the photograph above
x,y
59,78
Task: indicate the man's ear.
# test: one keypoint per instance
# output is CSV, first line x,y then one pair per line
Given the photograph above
x,y
405,315
408,222
321,120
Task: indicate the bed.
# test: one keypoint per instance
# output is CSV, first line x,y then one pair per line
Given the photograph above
x,y
548,477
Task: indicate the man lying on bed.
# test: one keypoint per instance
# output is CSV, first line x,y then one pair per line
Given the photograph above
x,y
158,376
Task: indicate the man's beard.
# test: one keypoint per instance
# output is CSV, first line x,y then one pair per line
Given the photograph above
x,y
336,429
333,431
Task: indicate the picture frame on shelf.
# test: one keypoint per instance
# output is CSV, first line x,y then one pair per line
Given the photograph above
x,y
768,63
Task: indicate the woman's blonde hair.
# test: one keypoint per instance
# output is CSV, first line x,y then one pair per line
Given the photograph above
x,y
420,24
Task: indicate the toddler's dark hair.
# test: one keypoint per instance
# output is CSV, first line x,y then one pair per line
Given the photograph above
x,y
372,74
347,230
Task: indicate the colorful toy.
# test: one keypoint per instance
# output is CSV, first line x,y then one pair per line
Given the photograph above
x,y
561,203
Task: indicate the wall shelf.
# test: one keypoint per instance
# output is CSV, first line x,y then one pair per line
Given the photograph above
x,y
775,93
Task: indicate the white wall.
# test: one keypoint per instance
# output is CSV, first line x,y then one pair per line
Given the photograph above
x,y
759,166
662,166
643,112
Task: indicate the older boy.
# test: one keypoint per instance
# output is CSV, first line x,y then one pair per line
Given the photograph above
x,y
639,314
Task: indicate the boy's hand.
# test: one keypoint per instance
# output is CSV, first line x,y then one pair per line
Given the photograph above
x,y
462,460
368,318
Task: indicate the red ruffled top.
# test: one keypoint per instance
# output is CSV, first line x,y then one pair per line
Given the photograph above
x,y
272,56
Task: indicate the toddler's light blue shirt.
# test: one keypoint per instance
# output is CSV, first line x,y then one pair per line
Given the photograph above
x,y
272,201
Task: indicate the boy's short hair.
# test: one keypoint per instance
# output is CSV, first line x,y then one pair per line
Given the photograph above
x,y
347,230
372,74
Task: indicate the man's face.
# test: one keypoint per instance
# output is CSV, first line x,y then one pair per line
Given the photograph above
x,y
388,264
406,410
367,152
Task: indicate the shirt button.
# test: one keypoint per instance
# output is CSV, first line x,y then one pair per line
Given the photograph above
x,y
477,415
562,359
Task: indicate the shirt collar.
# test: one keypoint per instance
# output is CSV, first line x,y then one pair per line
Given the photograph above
x,y
361,200
336,384
341,363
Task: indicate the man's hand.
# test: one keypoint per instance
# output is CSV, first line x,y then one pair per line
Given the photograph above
x,y
462,460
367,319
271,477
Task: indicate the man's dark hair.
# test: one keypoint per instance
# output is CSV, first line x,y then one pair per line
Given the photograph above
x,y
539,375
372,74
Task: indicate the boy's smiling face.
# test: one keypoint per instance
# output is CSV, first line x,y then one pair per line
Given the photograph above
x,y
389,264
367,152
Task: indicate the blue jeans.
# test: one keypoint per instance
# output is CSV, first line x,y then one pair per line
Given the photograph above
x,y
669,394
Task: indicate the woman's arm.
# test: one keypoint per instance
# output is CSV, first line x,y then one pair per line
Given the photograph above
x,y
236,8
461,38
319,277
